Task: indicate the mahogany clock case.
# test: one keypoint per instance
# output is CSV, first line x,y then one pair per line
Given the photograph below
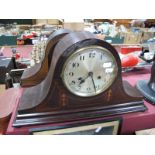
x,y
37,73
51,102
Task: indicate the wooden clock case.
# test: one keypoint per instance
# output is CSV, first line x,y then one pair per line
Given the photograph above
x,y
34,75
51,102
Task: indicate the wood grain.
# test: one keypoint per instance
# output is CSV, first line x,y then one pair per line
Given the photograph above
x,y
34,75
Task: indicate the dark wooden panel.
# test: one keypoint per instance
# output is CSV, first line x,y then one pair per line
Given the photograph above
x,y
37,73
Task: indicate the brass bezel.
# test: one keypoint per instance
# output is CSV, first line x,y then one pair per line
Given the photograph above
x,y
75,53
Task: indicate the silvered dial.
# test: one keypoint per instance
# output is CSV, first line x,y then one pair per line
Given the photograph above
x,y
89,71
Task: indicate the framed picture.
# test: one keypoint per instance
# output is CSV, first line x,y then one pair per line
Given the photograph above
x,y
146,132
99,127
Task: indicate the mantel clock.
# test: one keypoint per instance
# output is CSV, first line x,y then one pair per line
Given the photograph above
x,y
84,81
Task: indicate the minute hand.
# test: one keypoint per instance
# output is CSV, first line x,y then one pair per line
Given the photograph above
x,y
91,75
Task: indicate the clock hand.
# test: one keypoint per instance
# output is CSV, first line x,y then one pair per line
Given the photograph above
x,y
91,75
82,80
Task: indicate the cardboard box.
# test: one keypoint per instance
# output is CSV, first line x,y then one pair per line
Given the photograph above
x,y
132,38
53,21
74,26
48,21
41,21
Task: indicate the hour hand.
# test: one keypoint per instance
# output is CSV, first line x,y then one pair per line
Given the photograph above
x,y
82,80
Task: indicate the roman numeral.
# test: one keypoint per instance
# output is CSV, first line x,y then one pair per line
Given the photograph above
x,y
82,57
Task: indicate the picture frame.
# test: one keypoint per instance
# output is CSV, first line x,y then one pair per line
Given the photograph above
x,y
150,131
95,127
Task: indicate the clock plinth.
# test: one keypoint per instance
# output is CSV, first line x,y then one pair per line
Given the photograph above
x,y
52,101
37,73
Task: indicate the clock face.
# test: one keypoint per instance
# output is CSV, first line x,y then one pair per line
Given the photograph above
x,y
89,71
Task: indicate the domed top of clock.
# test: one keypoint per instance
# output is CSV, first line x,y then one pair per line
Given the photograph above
x,y
37,73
